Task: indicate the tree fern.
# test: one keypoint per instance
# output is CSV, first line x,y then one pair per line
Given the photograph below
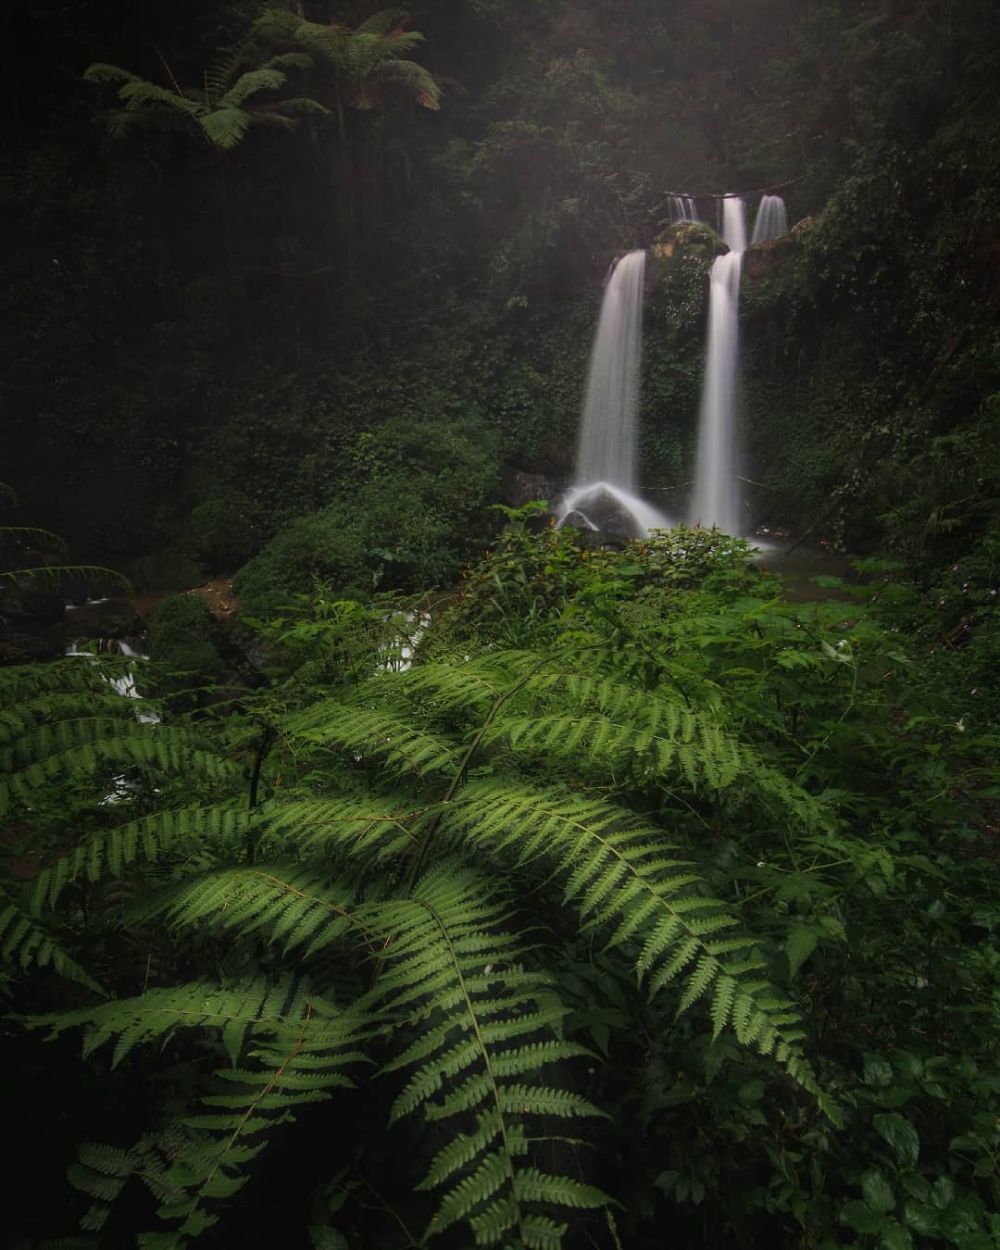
x,y
221,110
357,893
364,61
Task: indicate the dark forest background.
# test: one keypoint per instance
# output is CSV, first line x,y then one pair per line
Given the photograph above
x,y
202,344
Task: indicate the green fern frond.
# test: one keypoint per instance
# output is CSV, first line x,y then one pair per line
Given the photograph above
x,y
163,748
220,831
286,112
414,80
25,943
23,535
289,906
158,1013
269,78
374,733
622,878
290,60
384,22
369,830
22,683
217,78
66,736
138,93
102,72
444,686
27,715
225,127
452,971
286,1048
67,572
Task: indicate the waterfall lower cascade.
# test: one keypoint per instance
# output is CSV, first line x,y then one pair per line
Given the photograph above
x,y
604,482
717,498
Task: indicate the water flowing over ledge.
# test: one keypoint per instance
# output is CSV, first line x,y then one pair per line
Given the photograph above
x,y
604,484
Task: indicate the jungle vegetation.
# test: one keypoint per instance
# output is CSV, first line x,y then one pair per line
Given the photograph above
x,y
474,884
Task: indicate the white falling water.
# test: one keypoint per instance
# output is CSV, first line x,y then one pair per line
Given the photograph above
x,y
606,458
716,499
772,220
682,208
607,430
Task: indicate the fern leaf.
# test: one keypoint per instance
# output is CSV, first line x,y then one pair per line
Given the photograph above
x,y
371,829
225,127
26,942
652,897
463,1060
373,733
147,840
268,78
286,904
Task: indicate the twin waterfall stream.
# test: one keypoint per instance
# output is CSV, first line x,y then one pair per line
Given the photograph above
x,y
605,480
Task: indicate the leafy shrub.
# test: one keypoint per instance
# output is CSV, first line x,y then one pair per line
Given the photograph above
x,y
412,517
224,530
184,644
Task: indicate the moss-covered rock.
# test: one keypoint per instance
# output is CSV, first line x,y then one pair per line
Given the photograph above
x,y
685,239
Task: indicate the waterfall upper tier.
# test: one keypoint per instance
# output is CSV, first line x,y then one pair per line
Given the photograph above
x,y
716,499
772,219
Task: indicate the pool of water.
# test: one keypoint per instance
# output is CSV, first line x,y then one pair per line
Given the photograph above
x,y
801,566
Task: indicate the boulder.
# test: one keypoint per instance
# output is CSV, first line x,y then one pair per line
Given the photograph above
x,y
599,510
520,486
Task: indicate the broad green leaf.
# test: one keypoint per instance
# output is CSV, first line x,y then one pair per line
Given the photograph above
x,y
861,1218
896,1237
877,1070
802,939
921,1217
942,1192
877,1191
901,1136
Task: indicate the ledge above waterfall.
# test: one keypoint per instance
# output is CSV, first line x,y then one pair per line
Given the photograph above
x,y
680,242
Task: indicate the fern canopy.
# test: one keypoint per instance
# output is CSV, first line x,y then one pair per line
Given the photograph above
x,y
383,874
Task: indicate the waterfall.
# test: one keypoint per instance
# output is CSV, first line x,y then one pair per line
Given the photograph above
x,y
607,431
681,208
605,464
716,499
772,220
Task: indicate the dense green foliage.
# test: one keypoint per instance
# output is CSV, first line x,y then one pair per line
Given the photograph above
x,y
182,383
568,895
633,838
